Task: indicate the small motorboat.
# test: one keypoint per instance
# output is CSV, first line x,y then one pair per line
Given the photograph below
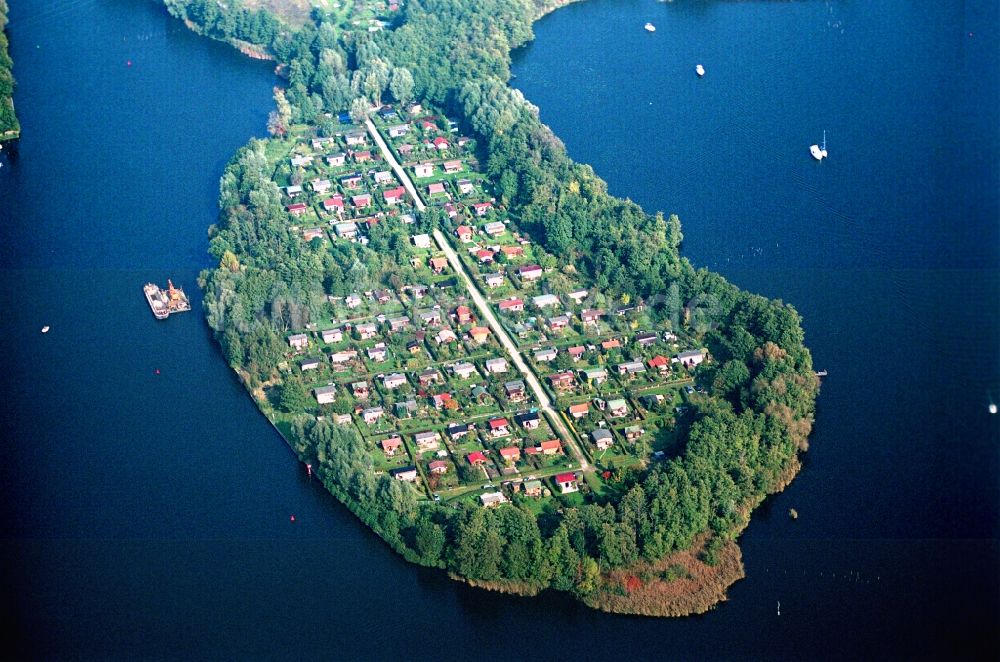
x,y
700,70
45,329
819,153
650,27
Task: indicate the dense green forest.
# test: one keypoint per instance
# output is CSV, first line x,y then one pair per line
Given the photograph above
x,y
9,126
744,441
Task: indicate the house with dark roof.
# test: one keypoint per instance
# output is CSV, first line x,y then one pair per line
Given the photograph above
x,y
691,358
493,280
546,354
325,394
372,414
407,474
405,409
529,420
311,363
515,390
393,380
603,439
426,441
298,341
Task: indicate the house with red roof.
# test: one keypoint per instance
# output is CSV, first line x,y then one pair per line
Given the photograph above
x,y
561,381
566,482
391,445
440,143
334,203
362,201
437,188
479,334
464,233
440,401
611,344
484,255
452,166
394,195
512,305
297,209
463,314
499,427
580,410
660,362
438,467
510,454
529,272
576,352
476,459
550,447
512,251
438,264
482,208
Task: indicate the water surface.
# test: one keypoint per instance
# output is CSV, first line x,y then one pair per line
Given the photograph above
x,y
148,514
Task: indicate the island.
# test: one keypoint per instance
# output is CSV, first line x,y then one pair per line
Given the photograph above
x,y
10,129
504,371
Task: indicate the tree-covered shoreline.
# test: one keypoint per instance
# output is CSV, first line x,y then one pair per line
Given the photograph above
x,y
742,443
9,126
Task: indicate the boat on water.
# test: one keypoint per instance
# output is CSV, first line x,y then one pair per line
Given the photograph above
x,y
45,329
165,302
700,70
650,27
819,153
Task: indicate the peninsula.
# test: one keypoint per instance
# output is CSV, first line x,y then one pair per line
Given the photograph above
x,y
9,126
503,370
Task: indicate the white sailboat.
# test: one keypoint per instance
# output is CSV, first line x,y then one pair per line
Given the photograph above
x,y
819,153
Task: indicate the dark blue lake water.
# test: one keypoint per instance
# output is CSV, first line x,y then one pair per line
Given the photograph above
x,y
148,514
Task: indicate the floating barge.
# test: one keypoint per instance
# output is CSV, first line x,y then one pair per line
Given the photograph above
x,y
163,303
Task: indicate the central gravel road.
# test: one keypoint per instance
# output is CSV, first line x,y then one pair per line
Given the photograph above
x,y
486,312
